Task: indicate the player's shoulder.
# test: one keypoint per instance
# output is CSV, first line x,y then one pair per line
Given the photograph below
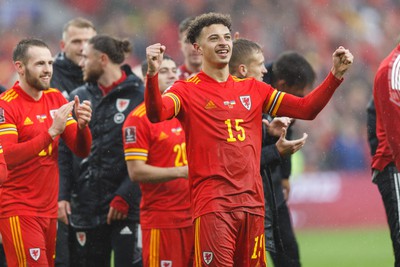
x,y
139,111
9,95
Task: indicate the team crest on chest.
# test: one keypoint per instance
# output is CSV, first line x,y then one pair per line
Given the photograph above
x,y
81,237
207,257
246,101
122,104
35,253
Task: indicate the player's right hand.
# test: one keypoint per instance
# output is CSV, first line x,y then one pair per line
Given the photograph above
x,y
154,55
288,147
64,210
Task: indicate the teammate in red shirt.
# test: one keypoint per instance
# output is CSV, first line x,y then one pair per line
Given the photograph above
x,y
3,166
32,119
156,157
221,117
386,160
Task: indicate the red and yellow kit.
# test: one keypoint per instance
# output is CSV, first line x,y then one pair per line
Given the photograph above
x,y
31,187
166,204
222,123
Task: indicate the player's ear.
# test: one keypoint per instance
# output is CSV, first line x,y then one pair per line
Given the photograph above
x,y
19,67
198,48
242,69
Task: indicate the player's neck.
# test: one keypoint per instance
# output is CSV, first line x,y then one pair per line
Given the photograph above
x,y
218,74
29,90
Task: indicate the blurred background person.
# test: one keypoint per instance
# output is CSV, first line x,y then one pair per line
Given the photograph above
x,y
103,202
67,75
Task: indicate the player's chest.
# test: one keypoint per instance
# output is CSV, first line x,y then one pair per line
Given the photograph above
x,y
167,133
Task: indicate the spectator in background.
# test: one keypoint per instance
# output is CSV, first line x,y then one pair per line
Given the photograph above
x,y
67,72
156,158
290,73
386,159
32,120
191,58
103,202
67,75
224,157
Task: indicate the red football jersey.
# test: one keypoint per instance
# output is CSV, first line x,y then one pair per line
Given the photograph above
x,y
222,123
31,187
387,103
3,166
166,204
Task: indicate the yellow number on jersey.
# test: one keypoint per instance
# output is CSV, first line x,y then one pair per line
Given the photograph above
x,y
240,136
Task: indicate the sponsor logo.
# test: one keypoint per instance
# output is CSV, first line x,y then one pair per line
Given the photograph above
x,y
207,257
166,263
28,121
125,231
81,237
210,105
162,136
122,104
35,253
130,135
246,101
119,118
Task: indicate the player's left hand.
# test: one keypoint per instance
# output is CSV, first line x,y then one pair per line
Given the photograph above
x,y
276,126
342,60
83,112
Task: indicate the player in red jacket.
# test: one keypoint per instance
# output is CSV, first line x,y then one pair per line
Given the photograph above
x,y
221,118
33,117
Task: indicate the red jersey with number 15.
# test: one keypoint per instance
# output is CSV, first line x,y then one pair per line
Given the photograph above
x,y
31,187
165,204
222,123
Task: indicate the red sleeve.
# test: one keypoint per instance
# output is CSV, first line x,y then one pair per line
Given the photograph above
x,y
18,153
387,103
308,107
157,108
78,140
3,166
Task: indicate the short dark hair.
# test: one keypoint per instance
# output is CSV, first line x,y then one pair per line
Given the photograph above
x,y
205,20
114,48
79,23
144,64
184,25
294,69
242,51
19,53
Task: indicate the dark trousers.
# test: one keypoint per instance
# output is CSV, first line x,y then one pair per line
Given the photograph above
x,y
62,249
92,247
388,182
289,257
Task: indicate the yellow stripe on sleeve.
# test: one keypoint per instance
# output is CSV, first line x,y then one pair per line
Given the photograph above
x,y
271,100
177,102
277,105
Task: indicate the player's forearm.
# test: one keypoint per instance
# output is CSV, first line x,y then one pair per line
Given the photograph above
x,y
308,107
151,174
79,141
18,153
152,98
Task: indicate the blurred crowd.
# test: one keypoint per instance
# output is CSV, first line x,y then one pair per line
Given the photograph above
x,y
314,28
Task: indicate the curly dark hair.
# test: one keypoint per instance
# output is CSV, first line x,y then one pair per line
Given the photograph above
x,y
206,20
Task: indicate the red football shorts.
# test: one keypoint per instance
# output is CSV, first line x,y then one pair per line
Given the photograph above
x,y
167,247
229,239
29,241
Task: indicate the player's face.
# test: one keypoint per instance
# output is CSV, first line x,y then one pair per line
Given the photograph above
x,y
256,67
38,68
167,74
215,44
191,55
74,39
91,64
